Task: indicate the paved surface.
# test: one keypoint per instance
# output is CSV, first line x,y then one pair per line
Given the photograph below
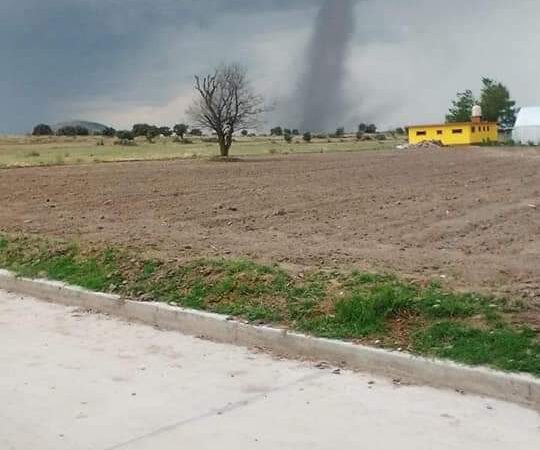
x,y
73,380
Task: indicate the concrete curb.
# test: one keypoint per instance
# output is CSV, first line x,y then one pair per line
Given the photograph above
x,y
515,388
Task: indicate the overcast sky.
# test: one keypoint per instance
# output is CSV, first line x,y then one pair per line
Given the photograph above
x,y
126,61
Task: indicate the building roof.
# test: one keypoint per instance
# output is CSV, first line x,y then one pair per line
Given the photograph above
x,y
451,124
528,117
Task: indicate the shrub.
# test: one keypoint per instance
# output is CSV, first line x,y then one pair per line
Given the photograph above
x,y
371,128
67,131
178,140
70,130
196,132
125,134
125,137
277,131
296,132
140,129
359,135
381,137
245,133
180,130
125,142
165,131
340,132
42,130
152,133
81,131
109,132
307,137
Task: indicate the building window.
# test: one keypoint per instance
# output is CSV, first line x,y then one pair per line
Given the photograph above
x,y
474,129
457,131
439,132
489,128
421,133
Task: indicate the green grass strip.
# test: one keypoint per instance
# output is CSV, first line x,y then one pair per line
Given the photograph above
x,y
428,320
503,348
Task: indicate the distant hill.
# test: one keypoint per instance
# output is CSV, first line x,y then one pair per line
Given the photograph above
x,y
93,127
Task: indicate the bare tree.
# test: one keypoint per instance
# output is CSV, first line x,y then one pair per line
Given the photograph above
x,y
225,102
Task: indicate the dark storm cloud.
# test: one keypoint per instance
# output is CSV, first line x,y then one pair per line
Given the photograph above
x,y
124,60
56,51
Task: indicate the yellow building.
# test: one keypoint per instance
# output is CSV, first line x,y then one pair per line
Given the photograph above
x,y
465,133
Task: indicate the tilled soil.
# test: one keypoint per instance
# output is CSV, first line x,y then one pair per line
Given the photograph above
x,y
468,217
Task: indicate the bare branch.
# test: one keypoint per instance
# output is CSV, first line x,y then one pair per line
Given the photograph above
x,y
225,103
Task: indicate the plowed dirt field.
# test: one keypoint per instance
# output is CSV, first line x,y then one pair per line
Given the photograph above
x,y
469,217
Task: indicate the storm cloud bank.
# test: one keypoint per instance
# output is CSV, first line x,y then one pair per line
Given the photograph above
x,y
321,91
61,58
125,61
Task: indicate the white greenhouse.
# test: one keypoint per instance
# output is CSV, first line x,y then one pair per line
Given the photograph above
x,y
527,127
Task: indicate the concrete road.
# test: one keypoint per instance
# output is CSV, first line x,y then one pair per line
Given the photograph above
x,y
74,380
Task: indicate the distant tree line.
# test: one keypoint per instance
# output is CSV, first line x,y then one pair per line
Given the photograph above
x,y
68,130
288,133
279,131
150,132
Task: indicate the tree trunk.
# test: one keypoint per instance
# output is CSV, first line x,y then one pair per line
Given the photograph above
x,y
223,148
225,143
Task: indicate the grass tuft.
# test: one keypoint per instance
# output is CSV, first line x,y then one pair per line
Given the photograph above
x,y
502,348
435,303
363,314
63,263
